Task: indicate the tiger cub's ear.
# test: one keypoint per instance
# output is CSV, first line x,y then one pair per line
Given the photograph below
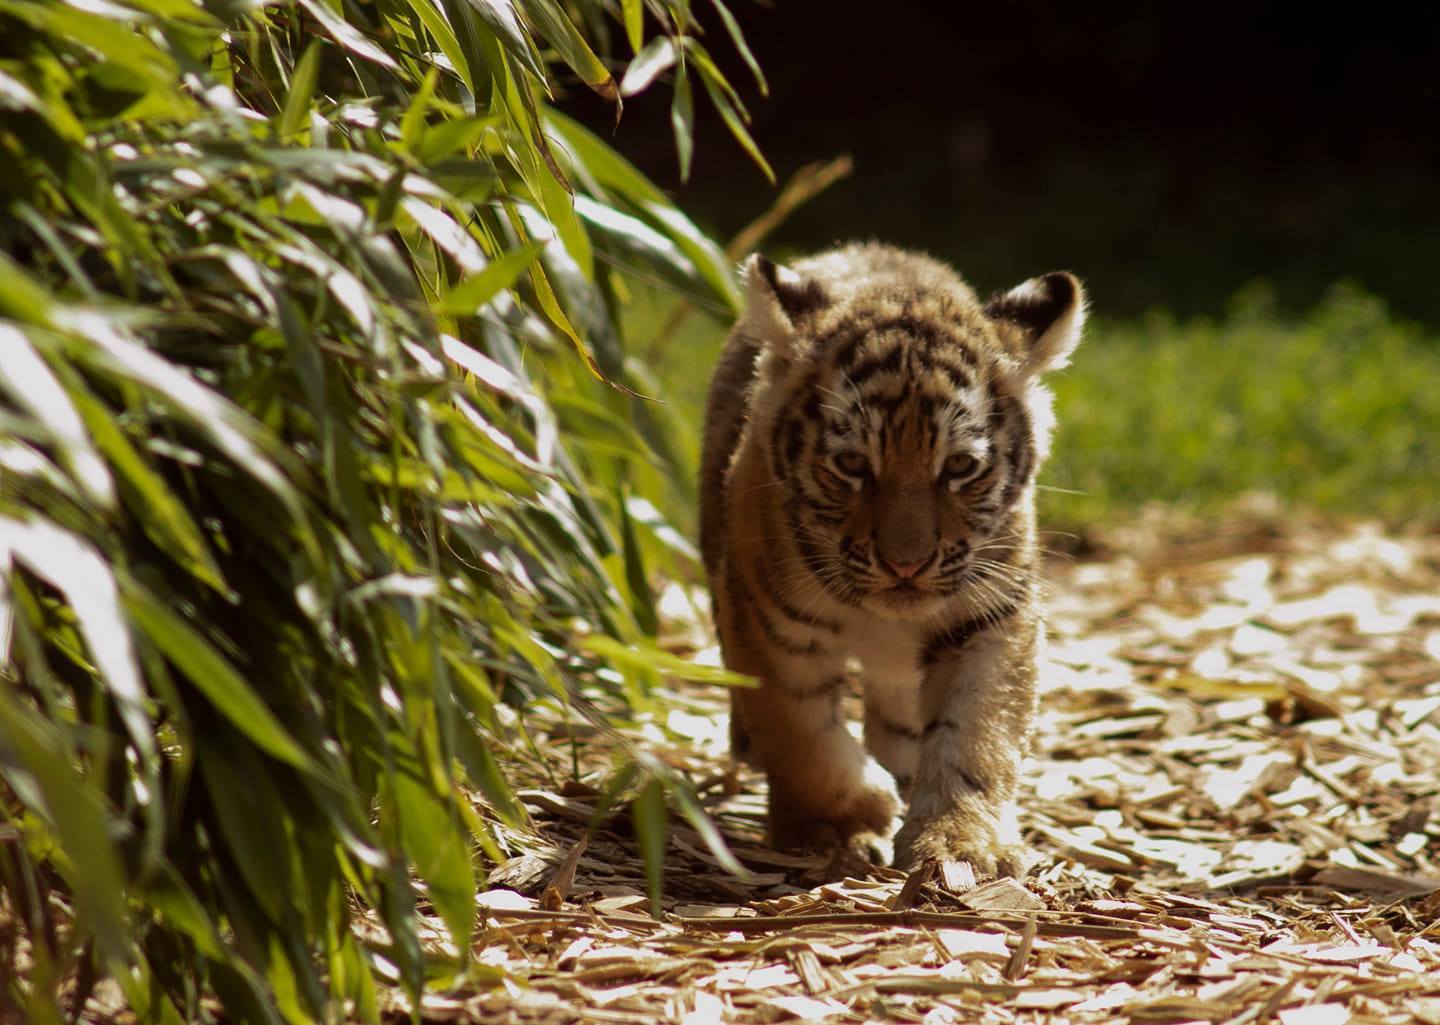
x,y
777,299
1050,313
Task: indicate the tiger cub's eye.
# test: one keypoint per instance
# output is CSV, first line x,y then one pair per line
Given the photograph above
x,y
852,463
959,467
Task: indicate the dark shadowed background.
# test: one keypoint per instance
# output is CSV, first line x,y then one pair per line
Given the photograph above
x,y
1171,153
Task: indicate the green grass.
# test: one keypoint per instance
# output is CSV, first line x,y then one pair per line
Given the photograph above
x,y
1335,410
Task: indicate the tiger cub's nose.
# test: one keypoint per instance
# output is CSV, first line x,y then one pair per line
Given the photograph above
x,y
905,570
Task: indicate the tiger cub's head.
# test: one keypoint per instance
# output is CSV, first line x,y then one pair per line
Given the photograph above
x,y
903,420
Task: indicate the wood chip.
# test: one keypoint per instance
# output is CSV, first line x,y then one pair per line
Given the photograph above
x,y
1001,895
965,944
1375,881
957,876
1316,1014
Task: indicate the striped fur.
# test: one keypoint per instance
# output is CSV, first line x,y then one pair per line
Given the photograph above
x,y
867,498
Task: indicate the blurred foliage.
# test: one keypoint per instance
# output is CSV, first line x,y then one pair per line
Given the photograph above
x,y
1335,410
319,446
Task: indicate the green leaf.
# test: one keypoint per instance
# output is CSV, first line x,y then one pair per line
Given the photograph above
x,y
76,569
434,838
642,602
22,298
162,516
648,656
35,388
657,57
213,676
557,27
633,245
593,425
633,13
550,306
178,906
723,97
599,162
112,34
231,429
652,834
347,35
609,170
484,772
501,18
445,138
682,121
469,295
412,124
705,826
37,763
302,88
738,38
553,196
433,17
255,824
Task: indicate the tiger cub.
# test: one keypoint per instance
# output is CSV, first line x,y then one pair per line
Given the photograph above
x,y
867,498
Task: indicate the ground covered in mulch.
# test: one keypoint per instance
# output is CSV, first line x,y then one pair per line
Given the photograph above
x,y
1231,802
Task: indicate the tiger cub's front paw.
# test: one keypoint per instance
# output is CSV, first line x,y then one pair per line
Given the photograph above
x,y
959,838
862,817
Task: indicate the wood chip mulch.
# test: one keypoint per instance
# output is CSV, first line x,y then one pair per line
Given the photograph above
x,y
1231,802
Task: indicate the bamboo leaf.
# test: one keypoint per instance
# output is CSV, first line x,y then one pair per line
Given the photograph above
x,y
656,58
214,677
611,171
484,772
255,827
557,27
642,604
475,291
432,15
633,244
234,432
34,755
650,657
33,386
682,121
347,35
445,138
302,88
734,116
652,834
77,570
177,905
502,19
738,38
550,306
705,826
163,516
633,14
434,837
